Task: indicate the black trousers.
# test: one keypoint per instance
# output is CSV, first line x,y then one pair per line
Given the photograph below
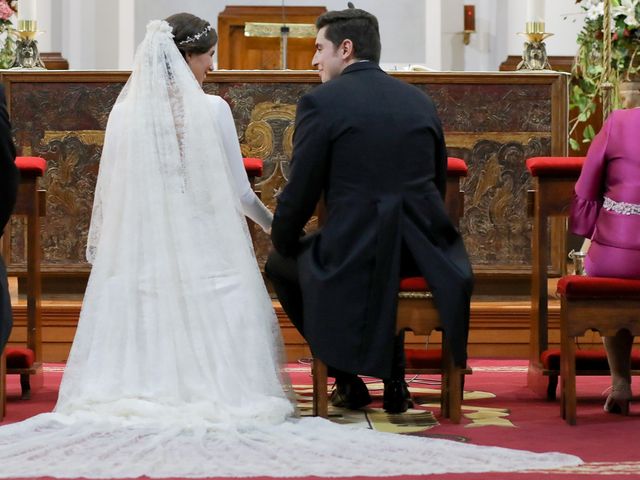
x,y
283,273
6,319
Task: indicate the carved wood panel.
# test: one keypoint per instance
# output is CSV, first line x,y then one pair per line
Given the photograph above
x,y
493,121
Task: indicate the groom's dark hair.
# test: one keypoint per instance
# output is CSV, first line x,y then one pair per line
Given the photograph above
x,y
356,25
192,34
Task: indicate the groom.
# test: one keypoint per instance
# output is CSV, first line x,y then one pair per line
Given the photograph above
x,y
8,192
373,149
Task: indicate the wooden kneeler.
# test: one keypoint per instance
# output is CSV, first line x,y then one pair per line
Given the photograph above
x,y
417,312
31,202
554,179
606,305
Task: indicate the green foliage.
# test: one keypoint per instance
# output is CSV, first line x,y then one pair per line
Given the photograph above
x,y
8,50
588,66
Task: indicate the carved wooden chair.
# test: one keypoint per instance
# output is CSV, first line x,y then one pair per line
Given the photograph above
x,y
591,303
554,181
27,361
417,312
253,167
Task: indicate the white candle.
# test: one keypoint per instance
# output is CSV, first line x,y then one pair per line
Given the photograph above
x,y
535,10
27,10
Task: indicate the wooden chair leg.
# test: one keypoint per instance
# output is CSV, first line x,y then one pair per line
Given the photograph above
x,y
445,382
451,399
551,387
320,396
568,379
3,385
444,395
25,385
455,392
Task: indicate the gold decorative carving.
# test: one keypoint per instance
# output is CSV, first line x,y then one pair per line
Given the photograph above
x,y
269,135
88,137
259,135
273,111
258,140
468,139
287,140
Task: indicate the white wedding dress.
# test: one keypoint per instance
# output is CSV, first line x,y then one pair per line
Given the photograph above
x,y
175,367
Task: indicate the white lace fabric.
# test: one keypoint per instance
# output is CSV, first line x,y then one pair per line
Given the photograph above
x,y
175,366
295,448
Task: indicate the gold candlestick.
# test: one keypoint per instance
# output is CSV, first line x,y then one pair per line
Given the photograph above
x,y
534,56
27,54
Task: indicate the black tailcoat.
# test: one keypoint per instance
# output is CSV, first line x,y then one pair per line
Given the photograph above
x,y
373,147
8,192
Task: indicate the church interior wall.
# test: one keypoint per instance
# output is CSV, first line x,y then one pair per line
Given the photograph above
x,y
401,21
102,35
563,18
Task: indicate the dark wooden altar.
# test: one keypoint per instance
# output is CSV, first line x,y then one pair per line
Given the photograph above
x,y
494,121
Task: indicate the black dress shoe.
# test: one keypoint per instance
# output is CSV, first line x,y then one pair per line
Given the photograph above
x,y
397,398
351,393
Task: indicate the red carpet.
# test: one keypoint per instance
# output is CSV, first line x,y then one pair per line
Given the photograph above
x,y
498,408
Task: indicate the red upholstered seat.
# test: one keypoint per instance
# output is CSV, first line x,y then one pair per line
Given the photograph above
x,y
419,358
555,166
413,284
575,286
423,359
456,167
253,166
585,359
19,357
32,165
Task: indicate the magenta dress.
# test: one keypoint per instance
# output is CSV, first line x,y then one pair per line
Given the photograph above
x,y
606,207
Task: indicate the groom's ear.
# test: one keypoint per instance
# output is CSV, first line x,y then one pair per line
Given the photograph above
x,y
346,50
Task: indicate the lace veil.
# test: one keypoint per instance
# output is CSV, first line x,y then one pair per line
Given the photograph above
x,y
152,148
175,287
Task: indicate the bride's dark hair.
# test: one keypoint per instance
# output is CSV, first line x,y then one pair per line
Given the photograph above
x,y
192,34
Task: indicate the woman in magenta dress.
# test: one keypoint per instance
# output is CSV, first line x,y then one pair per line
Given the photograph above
x,y
606,209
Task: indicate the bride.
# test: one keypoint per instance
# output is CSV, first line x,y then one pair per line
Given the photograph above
x,y
175,366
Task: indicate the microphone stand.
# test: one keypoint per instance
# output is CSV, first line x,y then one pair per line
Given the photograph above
x,y
284,39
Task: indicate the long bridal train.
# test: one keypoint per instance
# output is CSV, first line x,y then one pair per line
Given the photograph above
x,y
96,446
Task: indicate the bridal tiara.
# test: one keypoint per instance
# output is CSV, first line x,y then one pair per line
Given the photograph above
x,y
196,37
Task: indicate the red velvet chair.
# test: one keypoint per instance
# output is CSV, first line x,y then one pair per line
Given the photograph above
x,y
27,362
253,167
554,179
602,304
417,312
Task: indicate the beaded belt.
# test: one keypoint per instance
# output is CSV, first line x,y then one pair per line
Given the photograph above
x,y
623,208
